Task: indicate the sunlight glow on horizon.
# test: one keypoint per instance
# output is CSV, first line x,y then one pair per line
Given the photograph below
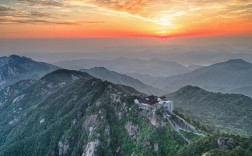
x,y
123,18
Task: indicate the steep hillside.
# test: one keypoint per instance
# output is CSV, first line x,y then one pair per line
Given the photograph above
x,y
219,145
71,113
15,68
14,90
15,107
117,78
3,61
223,77
85,116
230,113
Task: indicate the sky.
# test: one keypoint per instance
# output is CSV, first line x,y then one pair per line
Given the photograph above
x,y
186,31
197,50
124,18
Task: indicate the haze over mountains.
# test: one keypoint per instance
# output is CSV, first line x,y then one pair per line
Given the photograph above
x,y
68,112
233,76
154,67
223,77
15,68
117,78
197,50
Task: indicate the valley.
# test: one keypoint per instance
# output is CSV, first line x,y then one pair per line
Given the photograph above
x,y
125,78
98,112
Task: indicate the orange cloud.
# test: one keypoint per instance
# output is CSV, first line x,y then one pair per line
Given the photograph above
x,y
106,18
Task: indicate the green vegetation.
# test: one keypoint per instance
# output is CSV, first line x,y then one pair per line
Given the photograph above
x,y
16,68
228,113
219,145
160,112
14,90
189,135
117,78
70,113
56,119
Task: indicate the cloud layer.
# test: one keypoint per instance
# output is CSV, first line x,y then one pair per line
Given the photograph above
x,y
162,16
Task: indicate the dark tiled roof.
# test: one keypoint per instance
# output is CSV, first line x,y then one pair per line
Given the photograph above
x,y
149,100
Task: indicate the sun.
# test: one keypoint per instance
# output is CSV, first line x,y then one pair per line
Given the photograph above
x,y
164,38
164,25
163,21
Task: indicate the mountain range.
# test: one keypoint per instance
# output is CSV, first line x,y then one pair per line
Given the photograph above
x,y
154,67
72,113
69,112
117,78
146,78
232,76
15,68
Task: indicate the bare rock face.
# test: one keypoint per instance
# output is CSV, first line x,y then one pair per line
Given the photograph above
x,y
156,147
131,129
116,98
19,98
118,150
74,122
119,115
156,120
107,134
63,147
153,120
91,148
90,122
42,121
207,154
133,154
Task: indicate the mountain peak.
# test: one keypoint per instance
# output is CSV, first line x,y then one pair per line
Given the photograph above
x,y
237,61
190,87
100,68
65,74
15,68
95,69
17,59
14,56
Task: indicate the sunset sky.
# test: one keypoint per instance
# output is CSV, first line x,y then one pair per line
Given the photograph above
x,y
123,18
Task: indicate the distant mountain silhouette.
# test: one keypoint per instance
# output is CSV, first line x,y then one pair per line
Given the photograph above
x,y
15,68
117,78
153,67
224,77
72,113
